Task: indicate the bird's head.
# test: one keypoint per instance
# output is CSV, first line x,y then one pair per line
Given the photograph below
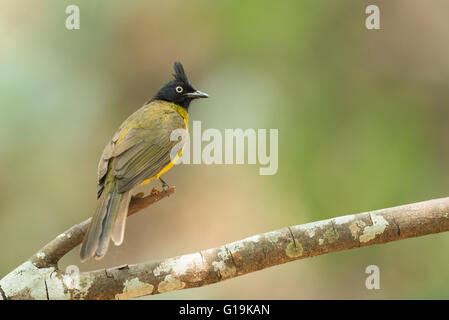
x,y
179,90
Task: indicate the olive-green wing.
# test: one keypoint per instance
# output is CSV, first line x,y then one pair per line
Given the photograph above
x,y
144,150
146,158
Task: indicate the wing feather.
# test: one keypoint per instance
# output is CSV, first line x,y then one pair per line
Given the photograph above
x,y
138,153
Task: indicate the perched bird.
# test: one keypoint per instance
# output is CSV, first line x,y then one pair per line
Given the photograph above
x,y
138,152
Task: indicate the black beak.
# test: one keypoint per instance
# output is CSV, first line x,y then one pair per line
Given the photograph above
x,y
197,94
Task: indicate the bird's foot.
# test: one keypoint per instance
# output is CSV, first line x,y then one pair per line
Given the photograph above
x,y
165,185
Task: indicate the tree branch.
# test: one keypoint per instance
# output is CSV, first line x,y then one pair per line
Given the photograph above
x,y
65,242
225,262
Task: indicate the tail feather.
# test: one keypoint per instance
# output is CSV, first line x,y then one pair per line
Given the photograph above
x,y
111,205
118,232
90,241
108,223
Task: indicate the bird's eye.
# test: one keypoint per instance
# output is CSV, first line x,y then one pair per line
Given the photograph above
x,y
179,89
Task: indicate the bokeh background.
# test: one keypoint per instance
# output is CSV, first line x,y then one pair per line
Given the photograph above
x,y
362,118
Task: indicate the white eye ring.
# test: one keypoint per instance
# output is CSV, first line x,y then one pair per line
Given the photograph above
x,y
179,89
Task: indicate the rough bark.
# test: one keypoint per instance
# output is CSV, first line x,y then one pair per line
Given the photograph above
x,y
39,278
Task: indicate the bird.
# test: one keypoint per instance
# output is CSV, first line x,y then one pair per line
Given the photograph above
x,y
139,151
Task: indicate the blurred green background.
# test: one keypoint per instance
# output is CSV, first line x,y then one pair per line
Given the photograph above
x,y
362,118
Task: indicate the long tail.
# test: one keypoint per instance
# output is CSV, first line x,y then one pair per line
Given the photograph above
x,y
108,222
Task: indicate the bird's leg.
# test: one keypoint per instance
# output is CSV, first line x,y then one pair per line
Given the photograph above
x,y
165,185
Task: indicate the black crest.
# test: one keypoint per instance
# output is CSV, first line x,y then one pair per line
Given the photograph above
x,y
179,74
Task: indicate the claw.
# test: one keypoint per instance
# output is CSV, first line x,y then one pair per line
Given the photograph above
x,y
165,185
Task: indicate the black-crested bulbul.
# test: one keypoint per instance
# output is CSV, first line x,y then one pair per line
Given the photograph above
x,y
137,153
